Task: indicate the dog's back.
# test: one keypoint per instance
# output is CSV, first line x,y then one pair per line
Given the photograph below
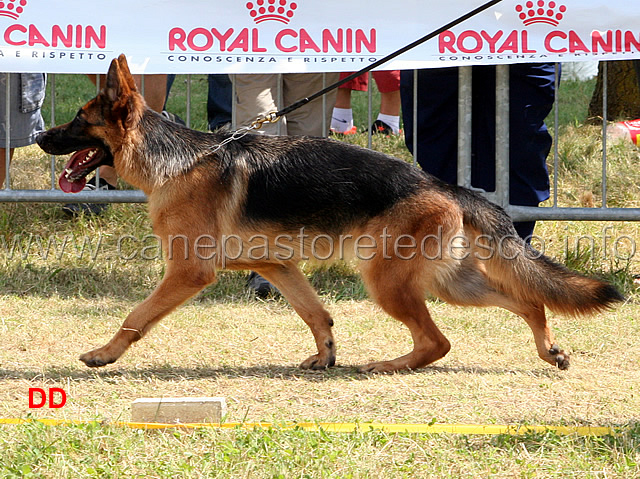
x,y
320,184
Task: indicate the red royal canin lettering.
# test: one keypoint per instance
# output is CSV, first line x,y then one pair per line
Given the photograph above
x,y
77,36
556,41
286,40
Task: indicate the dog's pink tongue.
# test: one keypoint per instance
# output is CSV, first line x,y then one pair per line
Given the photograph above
x,y
72,186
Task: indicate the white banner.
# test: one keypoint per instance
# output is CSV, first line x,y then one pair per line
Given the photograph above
x,y
263,36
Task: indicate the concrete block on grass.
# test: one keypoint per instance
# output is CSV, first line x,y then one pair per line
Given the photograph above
x,y
179,410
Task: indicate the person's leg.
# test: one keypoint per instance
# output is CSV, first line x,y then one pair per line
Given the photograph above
x,y
342,116
171,78
390,103
531,94
256,96
530,101
388,121
437,120
219,96
154,89
309,119
26,95
343,98
437,133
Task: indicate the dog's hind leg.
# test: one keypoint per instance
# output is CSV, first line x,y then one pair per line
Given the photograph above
x,y
548,350
534,316
405,302
295,287
469,287
178,285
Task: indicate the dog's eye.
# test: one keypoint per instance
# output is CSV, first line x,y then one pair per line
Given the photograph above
x,y
81,120
80,117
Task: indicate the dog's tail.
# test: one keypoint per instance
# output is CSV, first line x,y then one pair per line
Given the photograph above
x,y
523,273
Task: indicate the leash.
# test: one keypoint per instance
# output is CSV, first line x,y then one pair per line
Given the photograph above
x,y
273,117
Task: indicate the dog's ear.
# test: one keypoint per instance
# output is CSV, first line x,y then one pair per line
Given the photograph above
x,y
112,88
119,80
126,73
121,93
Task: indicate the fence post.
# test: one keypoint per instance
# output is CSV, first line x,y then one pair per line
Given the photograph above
x,y
502,135
52,82
556,134
7,128
605,115
369,111
415,118
465,105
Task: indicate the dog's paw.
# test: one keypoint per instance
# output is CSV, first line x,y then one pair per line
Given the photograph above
x,y
97,358
561,358
317,362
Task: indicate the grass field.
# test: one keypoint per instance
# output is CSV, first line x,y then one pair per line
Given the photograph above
x,y
57,301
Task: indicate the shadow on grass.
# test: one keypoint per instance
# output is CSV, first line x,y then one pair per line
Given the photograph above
x,y
267,371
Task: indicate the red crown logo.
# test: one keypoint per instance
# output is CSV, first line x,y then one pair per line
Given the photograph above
x,y
541,12
265,10
12,8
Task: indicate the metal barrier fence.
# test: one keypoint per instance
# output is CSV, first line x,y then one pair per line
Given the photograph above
x,y
501,195
465,105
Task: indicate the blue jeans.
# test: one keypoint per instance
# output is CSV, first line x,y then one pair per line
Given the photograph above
x,y
218,100
219,94
531,95
25,99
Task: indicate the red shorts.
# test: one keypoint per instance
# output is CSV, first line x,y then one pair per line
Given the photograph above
x,y
387,81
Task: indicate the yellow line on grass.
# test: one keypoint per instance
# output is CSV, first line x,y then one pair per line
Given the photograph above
x,y
467,429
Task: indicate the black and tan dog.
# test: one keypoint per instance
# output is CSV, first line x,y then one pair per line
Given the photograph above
x,y
263,203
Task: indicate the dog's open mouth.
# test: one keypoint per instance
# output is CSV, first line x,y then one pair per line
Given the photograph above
x,y
81,163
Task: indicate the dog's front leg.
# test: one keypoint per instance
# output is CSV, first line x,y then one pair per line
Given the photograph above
x,y
295,287
178,285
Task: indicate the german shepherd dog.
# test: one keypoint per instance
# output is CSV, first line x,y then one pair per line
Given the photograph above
x,y
416,234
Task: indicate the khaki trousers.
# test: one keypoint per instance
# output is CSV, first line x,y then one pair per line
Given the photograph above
x,y
257,95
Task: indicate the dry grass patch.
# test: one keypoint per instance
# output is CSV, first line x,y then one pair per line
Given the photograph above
x,y
249,353
580,168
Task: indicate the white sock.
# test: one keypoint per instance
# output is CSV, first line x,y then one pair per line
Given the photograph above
x,y
391,120
341,119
